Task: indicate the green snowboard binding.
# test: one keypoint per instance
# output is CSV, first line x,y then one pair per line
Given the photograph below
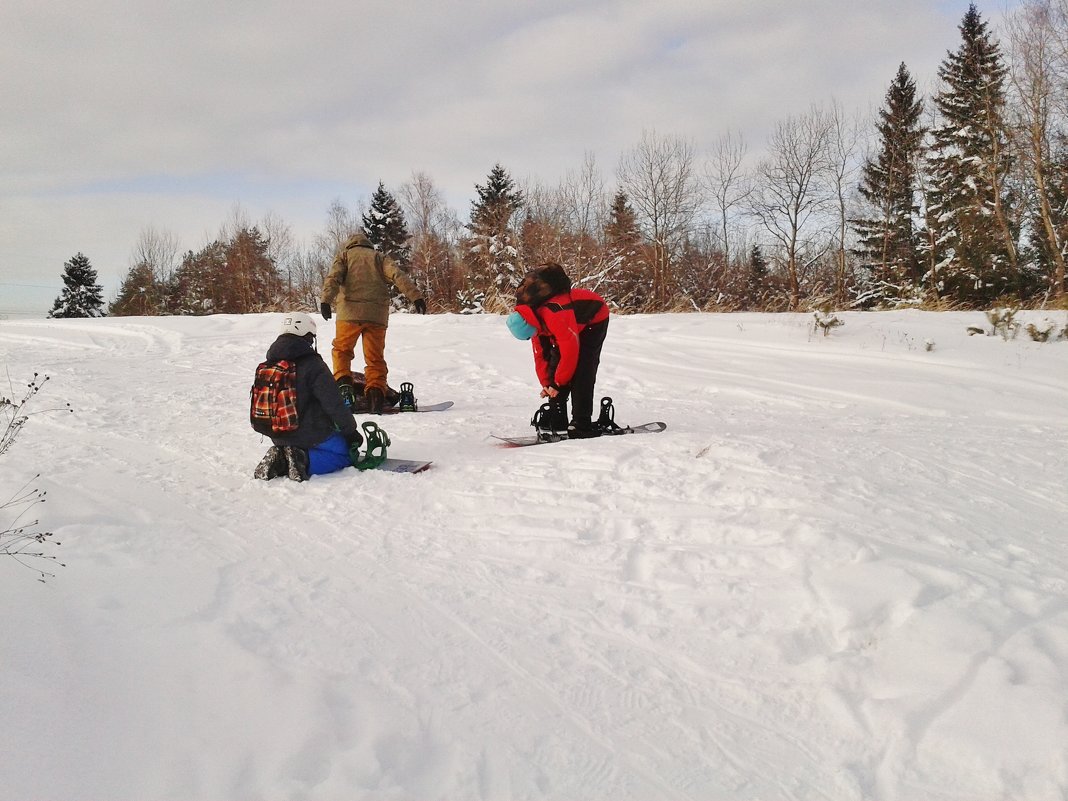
x,y
376,441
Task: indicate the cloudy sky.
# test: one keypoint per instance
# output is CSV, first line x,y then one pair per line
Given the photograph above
x,y
119,115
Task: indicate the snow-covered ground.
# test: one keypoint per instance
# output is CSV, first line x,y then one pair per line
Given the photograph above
x,y
841,573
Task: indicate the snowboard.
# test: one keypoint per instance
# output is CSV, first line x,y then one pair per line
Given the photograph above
x,y
422,407
534,439
403,465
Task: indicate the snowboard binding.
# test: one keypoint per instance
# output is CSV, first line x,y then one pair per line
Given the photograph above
x,y
406,401
606,421
348,392
550,422
376,441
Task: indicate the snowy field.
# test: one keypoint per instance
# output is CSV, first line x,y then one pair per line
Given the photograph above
x,y
841,573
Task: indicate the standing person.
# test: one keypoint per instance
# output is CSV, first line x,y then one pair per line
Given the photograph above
x,y
326,432
361,277
567,328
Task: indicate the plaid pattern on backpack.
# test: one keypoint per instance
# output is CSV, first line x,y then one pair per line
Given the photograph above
x,y
273,397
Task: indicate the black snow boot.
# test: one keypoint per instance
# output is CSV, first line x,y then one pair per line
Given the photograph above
x,y
272,465
298,463
375,400
582,430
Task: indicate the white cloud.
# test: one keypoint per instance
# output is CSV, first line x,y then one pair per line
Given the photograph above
x,y
205,104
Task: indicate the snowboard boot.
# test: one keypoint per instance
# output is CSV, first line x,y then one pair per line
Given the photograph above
x,y
582,430
348,391
550,421
375,400
406,399
606,422
272,465
298,463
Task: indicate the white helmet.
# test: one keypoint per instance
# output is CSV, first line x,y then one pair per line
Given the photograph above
x,y
298,323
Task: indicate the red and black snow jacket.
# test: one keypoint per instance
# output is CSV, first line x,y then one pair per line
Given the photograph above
x,y
559,322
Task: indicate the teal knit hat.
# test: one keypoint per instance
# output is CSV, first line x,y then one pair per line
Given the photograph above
x,y
519,327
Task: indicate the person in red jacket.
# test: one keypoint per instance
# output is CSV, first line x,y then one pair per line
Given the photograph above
x,y
567,328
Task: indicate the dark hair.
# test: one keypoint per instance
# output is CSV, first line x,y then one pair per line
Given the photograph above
x,y
553,274
541,283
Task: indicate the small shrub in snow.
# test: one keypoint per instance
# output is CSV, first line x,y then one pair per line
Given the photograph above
x,y
1042,331
19,538
16,413
825,320
1004,322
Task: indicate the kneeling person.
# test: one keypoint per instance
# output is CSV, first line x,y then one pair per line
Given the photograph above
x,y
326,430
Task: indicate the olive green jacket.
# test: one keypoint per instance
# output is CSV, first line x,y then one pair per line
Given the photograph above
x,y
357,286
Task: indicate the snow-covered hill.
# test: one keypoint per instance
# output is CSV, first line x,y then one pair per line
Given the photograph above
x,y
841,573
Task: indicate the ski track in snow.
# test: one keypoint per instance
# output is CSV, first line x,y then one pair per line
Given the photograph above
x,y
841,573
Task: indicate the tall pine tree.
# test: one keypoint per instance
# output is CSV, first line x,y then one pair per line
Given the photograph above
x,y
970,206
627,281
756,278
82,296
888,238
385,226
492,255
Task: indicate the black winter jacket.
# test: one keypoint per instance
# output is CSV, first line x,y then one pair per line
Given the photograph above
x,y
320,409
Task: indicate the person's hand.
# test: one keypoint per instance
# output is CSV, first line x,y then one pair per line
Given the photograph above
x,y
420,306
325,309
549,392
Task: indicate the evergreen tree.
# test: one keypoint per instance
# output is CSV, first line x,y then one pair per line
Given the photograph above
x,y
626,281
975,261
140,294
888,239
195,288
247,280
385,226
757,273
82,296
492,255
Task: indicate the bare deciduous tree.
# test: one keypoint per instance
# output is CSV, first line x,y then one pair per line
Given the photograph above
x,y
728,184
843,144
435,232
792,193
281,248
1037,76
658,176
585,203
158,250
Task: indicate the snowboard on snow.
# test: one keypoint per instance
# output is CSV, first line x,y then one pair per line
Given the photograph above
x,y
403,465
422,407
544,439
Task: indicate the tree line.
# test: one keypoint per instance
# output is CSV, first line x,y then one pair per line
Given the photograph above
x,y
958,200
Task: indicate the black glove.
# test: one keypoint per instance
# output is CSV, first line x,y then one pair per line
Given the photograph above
x,y
325,309
353,440
420,306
